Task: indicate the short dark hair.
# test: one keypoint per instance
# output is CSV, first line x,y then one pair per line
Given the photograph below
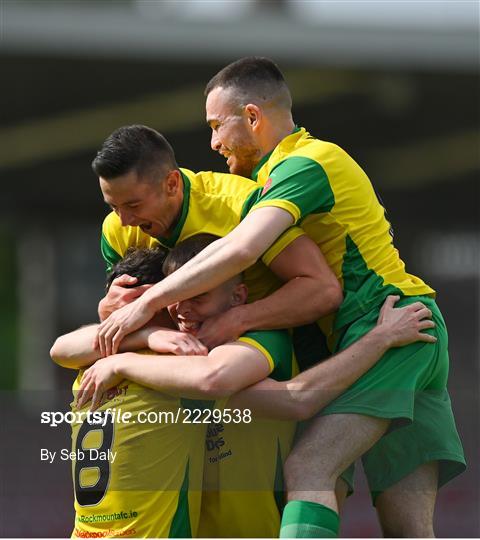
x,y
186,250
134,148
253,76
143,263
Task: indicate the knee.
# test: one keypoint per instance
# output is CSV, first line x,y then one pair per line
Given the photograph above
x,y
308,474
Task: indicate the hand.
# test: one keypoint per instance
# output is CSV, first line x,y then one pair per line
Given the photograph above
x,y
175,342
120,323
404,325
121,292
222,328
96,380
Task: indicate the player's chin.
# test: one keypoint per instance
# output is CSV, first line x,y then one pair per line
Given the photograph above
x,y
238,168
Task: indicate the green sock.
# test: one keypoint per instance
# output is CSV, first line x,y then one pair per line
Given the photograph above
x,y
305,519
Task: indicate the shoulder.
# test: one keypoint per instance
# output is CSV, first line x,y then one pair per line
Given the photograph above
x,y
274,342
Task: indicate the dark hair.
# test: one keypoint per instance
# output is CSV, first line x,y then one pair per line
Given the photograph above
x,y
143,263
253,76
186,250
134,148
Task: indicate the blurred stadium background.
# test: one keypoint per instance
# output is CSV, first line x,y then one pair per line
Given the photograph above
x,y
394,83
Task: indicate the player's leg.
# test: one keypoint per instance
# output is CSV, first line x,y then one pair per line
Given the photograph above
x,y
406,467
405,510
328,446
387,391
342,488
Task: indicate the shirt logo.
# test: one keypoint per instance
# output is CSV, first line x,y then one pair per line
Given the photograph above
x,y
267,186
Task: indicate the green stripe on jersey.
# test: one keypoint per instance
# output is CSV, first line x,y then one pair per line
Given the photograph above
x,y
279,344
250,201
173,238
302,181
180,527
110,256
363,287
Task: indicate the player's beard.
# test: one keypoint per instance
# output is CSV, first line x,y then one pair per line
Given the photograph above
x,y
242,159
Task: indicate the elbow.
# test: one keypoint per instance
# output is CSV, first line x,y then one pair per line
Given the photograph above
x,y
323,299
57,352
334,296
213,384
331,298
303,401
61,355
303,410
245,256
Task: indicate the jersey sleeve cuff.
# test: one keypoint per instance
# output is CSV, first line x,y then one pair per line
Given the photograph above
x,y
261,348
289,206
281,243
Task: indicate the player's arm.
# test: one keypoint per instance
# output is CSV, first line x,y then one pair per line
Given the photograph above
x,y
224,371
307,393
311,291
76,349
217,263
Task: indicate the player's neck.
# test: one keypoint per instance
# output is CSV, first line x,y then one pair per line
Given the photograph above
x,y
275,135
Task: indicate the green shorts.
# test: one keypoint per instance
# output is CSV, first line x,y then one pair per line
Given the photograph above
x,y
407,385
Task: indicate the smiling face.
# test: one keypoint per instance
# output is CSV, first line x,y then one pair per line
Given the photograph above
x,y
151,205
189,314
231,133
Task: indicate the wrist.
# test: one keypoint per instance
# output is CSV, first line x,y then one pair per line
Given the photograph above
x,y
119,364
103,313
150,303
382,337
243,318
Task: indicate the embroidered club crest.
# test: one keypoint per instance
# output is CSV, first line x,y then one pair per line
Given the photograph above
x,y
267,186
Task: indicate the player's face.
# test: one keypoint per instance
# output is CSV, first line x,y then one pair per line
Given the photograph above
x,y
189,314
144,204
231,134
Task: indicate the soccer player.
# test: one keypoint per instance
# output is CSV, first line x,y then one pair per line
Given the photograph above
x,y
149,482
155,202
244,457
317,184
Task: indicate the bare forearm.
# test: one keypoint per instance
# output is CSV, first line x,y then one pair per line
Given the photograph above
x,y
184,376
307,393
300,301
221,260
319,385
217,263
75,350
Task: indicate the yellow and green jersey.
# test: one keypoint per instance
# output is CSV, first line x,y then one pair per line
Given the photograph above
x,y
332,199
243,483
213,203
141,478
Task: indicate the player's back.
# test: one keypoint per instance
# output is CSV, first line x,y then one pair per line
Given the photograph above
x,y
336,205
140,476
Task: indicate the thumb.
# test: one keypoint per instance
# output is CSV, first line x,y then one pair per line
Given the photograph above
x,y
387,305
124,280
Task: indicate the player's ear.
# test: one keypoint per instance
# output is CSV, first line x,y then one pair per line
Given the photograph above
x,y
172,182
239,295
254,115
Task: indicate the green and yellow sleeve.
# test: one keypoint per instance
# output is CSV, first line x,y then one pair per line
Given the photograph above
x,y
298,185
276,346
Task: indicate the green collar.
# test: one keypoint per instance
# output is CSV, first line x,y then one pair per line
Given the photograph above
x,y
266,157
173,238
260,164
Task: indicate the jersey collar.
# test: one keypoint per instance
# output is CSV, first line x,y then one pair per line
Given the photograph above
x,y
173,238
